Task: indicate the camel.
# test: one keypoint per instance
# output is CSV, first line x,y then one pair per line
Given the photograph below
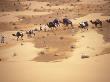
x,y
67,22
18,34
56,22
30,33
96,22
51,25
84,25
108,21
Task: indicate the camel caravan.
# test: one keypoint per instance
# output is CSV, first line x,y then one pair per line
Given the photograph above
x,y
83,25
55,24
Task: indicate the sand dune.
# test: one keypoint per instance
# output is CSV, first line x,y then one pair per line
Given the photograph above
x,y
62,55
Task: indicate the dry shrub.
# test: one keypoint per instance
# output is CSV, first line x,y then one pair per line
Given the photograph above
x,y
35,10
42,53
84,56
2,10
71,4
61,38
17,9
56,4
0,59
70,10
42,7
72,46
48,5
14,54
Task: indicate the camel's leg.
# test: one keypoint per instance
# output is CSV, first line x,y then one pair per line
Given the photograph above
x,y
55,28
82,29
30,36
51,28
58,24
86,27
34,34
101,24
21,37
95,25
17,38
72,26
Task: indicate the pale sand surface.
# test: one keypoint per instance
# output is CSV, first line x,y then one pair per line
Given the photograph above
x,y
55,56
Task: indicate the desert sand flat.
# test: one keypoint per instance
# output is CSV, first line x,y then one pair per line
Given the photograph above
x,y
13,16
64,54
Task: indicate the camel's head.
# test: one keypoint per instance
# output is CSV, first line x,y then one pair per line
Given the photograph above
x,y
47,24
60,21
106,20
13,35
90,20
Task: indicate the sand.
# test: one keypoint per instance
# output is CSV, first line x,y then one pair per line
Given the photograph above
x,y
55,55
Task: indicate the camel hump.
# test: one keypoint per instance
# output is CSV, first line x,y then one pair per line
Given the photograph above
x,y
98,20
18,33
66,20
55,21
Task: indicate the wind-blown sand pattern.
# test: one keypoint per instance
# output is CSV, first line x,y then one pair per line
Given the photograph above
x,y
64,54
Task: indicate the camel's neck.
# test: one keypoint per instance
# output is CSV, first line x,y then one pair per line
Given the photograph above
x,y
60,22
92,22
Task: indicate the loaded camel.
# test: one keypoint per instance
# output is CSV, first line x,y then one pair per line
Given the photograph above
x,y
51,25
67,22
84,25
54,24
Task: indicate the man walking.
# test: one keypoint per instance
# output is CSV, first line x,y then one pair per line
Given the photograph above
x,y
2,39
